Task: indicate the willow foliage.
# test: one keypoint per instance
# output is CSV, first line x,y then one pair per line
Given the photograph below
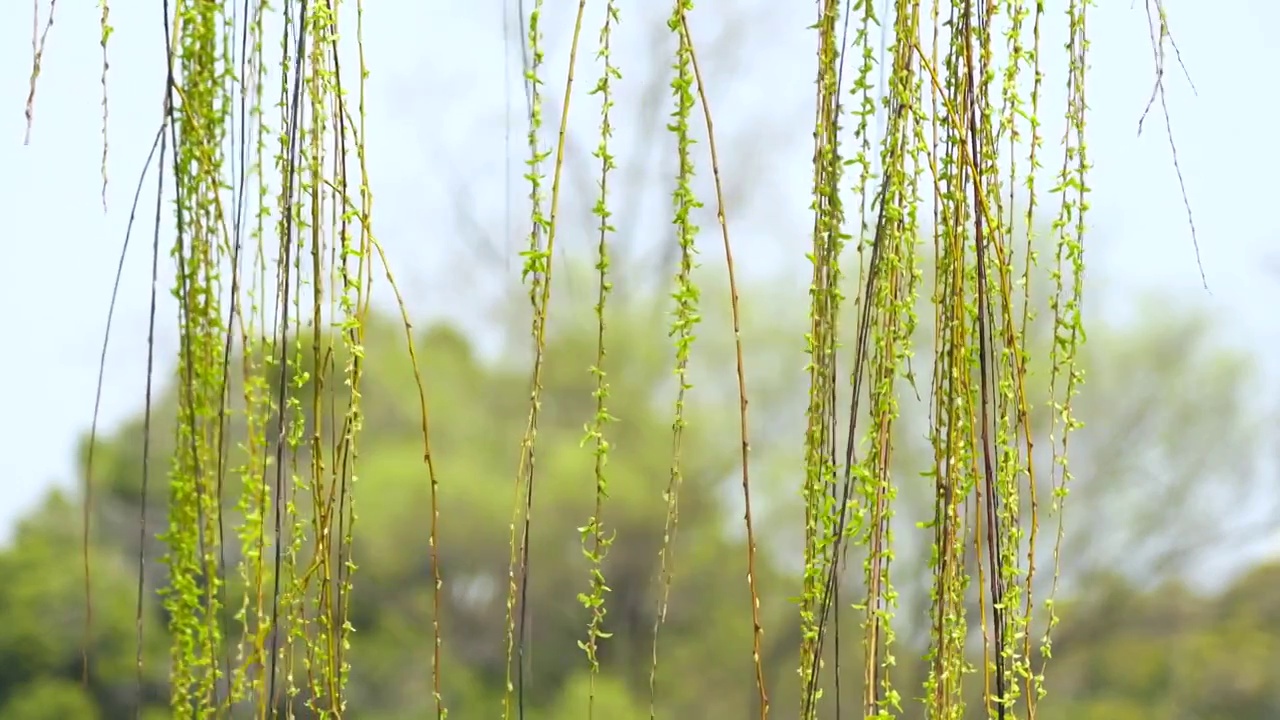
x,y
276,252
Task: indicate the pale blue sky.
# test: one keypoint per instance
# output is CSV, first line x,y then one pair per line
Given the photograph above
x,y
437,117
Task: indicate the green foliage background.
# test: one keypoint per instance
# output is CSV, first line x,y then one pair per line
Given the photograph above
x,y
1125,649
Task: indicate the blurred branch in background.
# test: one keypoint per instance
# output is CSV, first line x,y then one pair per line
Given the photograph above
x,y
1175,477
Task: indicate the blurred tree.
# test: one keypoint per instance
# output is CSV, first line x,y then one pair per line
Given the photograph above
x,y
612,700
479,421
1168,653
1122,652
1168,466
43,628
51,699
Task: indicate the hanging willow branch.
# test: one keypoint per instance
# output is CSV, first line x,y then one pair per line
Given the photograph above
x,y
595,540
283,299
981,424
296,409
686,316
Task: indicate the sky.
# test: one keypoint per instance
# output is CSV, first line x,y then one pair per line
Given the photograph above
x,y
443,97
